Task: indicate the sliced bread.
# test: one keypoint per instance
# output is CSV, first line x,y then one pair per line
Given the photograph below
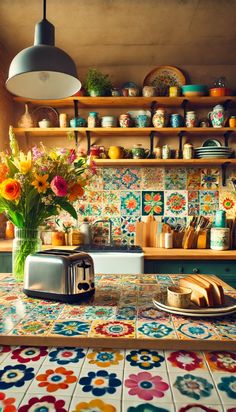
x,y
196,285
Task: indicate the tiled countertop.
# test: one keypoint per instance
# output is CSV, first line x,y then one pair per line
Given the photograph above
x,y
96,379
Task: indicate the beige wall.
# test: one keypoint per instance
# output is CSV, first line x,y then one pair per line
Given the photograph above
x,y
6,104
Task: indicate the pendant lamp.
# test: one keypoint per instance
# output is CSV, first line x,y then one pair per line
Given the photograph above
x,y
43,71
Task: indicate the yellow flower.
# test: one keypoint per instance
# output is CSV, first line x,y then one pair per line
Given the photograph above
x,y
40,183
53,155
24,164
95,404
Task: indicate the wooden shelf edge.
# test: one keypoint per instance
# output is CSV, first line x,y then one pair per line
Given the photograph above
x,y
162,162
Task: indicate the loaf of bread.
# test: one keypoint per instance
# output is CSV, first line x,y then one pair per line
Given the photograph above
x,y
206,290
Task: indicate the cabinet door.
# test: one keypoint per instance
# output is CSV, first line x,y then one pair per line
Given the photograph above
x,y
225,270
5,262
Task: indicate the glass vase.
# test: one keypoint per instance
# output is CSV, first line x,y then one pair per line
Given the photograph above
x,y
26,241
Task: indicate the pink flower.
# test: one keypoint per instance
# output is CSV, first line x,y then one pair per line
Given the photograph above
x,y
146,386
72,156
59,186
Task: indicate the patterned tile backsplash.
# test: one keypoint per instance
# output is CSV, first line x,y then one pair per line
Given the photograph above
x,y
126,195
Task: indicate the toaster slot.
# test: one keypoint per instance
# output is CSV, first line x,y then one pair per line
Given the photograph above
x,y
60,252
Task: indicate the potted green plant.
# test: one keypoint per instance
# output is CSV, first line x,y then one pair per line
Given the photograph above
x,y
97,83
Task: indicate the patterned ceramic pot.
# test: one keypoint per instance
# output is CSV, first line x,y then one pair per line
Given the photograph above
x,y
191,119
159,118
176,120
125,120
217,116
220,238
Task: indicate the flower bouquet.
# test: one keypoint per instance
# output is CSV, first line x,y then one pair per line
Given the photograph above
x,y
36,186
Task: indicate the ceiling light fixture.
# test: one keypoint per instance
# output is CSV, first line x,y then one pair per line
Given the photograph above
x,y
43,71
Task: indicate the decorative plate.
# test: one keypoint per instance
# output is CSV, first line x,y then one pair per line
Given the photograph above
x,y
228,309
211,142
45,112
163,77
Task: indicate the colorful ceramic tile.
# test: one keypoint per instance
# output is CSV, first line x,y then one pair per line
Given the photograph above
x,y
209,202
152,203
144,359
111,203
195,388
121,179
52,379
99,383
29,354
130,203
147,386
88,209
104,359
221,361
152,313
226,385
16,377
176,203
66,356
193,203
96,182
70,327
128,226
155,330
99,312
36,402
152,178
193,178
175,178
113,329
126,312
210,179
94,404
175,221
185,360
10,402
195,330
29,326
228,202
226,328
146,406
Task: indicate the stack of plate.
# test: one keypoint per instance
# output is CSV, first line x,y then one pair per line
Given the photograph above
x,y
219,152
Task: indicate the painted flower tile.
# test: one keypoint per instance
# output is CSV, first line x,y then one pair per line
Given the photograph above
x,y
193,178
152,203
209,202
193,203
152,178
113,329
176,203
228,202
221,361
130,203
210,179
175,178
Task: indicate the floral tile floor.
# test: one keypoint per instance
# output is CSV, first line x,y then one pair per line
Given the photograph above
x,y
41,379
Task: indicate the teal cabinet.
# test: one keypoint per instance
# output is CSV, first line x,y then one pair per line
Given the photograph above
x,y
5,262
224,269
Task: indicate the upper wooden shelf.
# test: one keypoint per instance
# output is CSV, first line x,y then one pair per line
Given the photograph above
x,y
130,131
121,101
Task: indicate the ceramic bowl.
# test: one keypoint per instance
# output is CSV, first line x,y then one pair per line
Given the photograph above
x,y
179,297
220,91
194,90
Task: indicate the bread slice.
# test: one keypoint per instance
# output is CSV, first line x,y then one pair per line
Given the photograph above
x,y
214,290
200,287
219,291
196,297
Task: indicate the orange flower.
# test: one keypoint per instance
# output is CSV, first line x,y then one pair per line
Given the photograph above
x,y
10,189
95,404
60,378
75,191
3,172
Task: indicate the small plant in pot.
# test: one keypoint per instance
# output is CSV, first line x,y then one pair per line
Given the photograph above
x,y
97,83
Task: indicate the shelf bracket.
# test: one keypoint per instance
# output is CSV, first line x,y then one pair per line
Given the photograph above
x,y
153,107
184,105
223,170
151,137
88,141
76,137
76,109
180,136
226,137
226,104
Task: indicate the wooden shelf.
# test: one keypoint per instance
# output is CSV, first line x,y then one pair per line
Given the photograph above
x,y
128,131
121,101
164,162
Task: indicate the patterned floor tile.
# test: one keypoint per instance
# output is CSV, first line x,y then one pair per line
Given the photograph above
x,y
183,360
66,356
147,386
51,402
221,361
96,404
192,387
70,327
100,384
60,380
192,407
9,402
15,377
146,406
155,330
109,359
226,386
144,359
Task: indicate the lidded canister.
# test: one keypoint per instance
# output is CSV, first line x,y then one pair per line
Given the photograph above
x,y
191,119
188,151
159,118
125,120
93,120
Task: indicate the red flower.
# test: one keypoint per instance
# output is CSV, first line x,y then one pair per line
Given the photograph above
x,y
115,329
59,186
6,404
185,360
47,402
25,354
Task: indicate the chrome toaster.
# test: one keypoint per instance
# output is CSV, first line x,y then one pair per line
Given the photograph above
x,y
62,275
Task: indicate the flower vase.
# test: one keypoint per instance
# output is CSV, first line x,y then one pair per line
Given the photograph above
x,y
26,241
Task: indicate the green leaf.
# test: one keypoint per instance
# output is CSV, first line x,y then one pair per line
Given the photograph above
x,y
13,169
67,207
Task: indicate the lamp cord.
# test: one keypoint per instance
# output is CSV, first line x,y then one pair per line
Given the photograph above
x,y
44,9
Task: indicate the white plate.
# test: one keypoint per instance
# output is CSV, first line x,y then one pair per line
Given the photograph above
x,y
228,309
204,149
211,143
213,156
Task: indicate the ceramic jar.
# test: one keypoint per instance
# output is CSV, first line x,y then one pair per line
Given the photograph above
x,y
125,120
159,118
44,123
174,91
115,152
191,119
176,120
63,120
149,91
232,121
217,116
166,152
220,238
188,151
93,120
142,120
138,152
